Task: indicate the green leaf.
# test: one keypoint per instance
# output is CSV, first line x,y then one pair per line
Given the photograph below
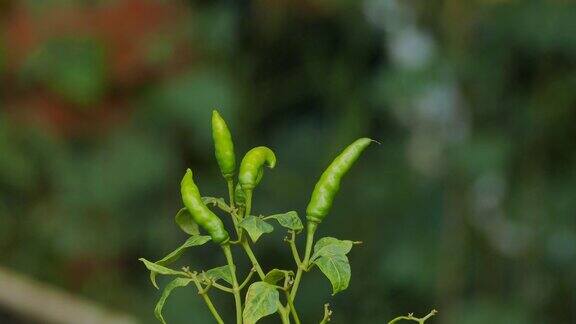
x,y
261,300
161,269
218,273
328,246
289,220
191,241
337,269
156,268
217,202
175,255
178,282
255,227
184,220
276,275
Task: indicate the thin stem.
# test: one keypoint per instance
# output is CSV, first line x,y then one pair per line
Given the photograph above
x,y
230,183
292,308
207,300
288,283
234,213
327,314
252,258
235,288
217,203
245,243
411,317
311,229
247,280
223,288
276,286
248,194
294,249
284,315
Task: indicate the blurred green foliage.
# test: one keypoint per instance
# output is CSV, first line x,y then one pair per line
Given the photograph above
x,y
73,69
467,206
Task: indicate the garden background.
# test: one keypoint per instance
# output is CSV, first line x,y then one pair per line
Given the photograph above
x,y
468,205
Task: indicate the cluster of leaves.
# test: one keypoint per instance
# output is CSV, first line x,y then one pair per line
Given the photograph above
x,y
262,297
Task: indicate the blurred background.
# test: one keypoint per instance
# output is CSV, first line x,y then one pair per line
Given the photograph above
x,y
468,206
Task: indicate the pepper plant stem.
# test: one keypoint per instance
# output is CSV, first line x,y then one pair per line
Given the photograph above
x,y
411,317
294,249
327,314
235,287
252,258
244,241
247,280
292,308
284,314
230,183
248,194
311,229
208,302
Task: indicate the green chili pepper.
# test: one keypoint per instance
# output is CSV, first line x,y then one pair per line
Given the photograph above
x,y
224,147
200,213
252,166
329,183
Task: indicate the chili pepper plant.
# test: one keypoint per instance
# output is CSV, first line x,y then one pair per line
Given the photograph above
x,y
262,292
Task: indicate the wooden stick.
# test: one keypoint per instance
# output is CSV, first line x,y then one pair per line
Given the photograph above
x,y
47,304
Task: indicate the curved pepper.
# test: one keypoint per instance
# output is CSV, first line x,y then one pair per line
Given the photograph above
x,y
329,183
252,166
201,214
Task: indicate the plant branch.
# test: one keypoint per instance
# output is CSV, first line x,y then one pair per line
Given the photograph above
x,y
236,217
230,183
248,194
204,294
292,308
248,277
411,317
292,242
223,288
311,229
235,288
290,303
284,315
327,314
252,258
244,242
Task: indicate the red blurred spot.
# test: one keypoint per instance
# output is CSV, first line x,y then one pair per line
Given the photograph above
x,y
126,29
